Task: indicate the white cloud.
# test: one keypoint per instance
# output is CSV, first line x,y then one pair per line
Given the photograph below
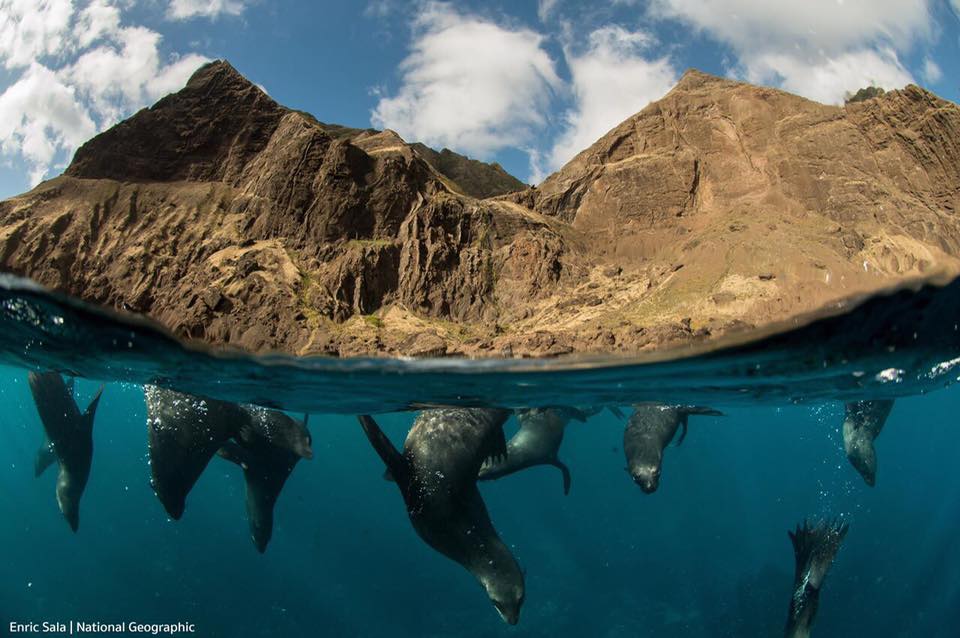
x,y
470,84
829,25
545,9
829,80
819,48
121,76
184,9
31,29
537,170
931,70
40,116
612,79
99,19
50,109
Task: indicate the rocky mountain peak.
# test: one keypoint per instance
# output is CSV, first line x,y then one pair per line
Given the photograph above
x,y
723,206
206,131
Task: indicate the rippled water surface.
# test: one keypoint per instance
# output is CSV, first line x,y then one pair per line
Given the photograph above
x,y
706,555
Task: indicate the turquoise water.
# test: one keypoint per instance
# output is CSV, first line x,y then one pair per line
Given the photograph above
x,y
706,555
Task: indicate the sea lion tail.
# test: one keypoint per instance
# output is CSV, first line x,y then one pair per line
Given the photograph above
x,y
396,464
44,459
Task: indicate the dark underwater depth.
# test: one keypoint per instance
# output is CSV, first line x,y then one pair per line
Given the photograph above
x,y
706,554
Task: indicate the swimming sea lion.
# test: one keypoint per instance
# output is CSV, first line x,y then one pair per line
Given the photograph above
x,y
267,458
649,431
437,476
183,434
70,437
814,549
537,442
861,425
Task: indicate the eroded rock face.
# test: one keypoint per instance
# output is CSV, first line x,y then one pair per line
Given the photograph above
x,y
233,220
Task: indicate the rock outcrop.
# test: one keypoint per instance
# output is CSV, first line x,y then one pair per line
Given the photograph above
x,y
472,177
235,221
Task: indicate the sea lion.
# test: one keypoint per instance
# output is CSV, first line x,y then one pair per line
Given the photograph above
x,y
649,431
814,549
861,426
267,457
184,432
437,476
70,439
537,442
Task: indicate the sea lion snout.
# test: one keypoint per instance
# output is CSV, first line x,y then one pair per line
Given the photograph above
x,y
510,616
304,450
646,476
509,610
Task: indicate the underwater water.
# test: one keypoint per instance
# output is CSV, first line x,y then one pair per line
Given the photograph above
x,y
707,554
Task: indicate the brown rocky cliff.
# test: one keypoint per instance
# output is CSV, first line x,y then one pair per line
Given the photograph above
x,y
233,220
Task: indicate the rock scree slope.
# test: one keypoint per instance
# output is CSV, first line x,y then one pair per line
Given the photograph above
x,y
235,221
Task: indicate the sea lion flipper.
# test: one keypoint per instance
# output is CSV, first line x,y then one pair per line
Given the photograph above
x,y
699,410
560,465
231,451
44,458
90,413
815,548
494,448
683,430
396,464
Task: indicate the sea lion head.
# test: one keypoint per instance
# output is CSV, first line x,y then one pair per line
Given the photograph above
x,y
502,577
284,431
507,598
646,473
301,442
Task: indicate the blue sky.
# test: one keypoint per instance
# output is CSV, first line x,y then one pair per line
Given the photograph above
x,y
525,83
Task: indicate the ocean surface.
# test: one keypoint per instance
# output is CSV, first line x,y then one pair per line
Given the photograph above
x,y
705,555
